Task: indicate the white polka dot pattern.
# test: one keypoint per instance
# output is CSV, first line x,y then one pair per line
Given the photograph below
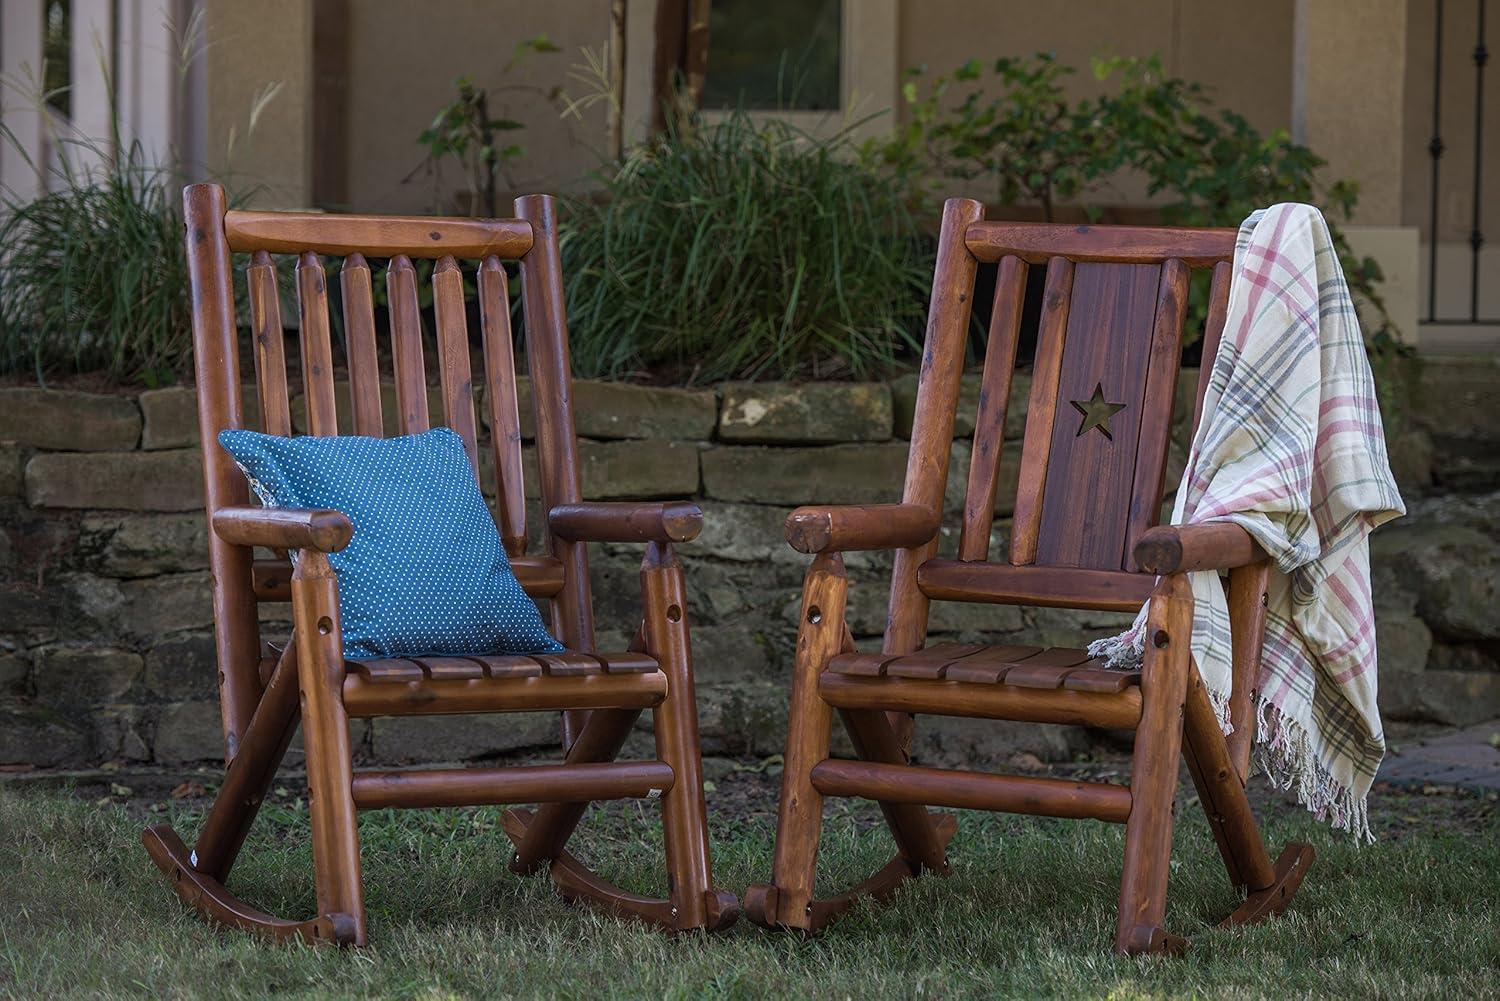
x,y
425,573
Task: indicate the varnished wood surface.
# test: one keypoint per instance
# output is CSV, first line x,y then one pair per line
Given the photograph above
x,y
283,528
973,790
539,576
363,697
1053,587
994,400
850,528
1212,545
528,784
985,701
340,235
1041,411
1037,242
626,521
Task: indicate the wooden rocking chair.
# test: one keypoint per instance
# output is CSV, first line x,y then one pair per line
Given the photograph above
x,y
1092,464
263,696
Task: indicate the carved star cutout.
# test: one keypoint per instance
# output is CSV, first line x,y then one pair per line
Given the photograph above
x,y
1096,412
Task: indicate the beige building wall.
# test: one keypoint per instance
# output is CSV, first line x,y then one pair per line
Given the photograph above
x,y
252,48
403,59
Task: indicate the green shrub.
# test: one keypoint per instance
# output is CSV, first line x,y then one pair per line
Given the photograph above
x,y
93,277
1035,144
743,249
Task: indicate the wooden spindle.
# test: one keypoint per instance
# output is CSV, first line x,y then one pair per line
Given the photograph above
x,y
500,397
317,351
269,342
406,345
1036,447
994,398
1157,405
359,346
1213,332
454,370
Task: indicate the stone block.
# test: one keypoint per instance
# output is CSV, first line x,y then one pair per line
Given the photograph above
x,y
14,670
171,415
732,654
1456,698
904,401
131,481
1410,453
39,737
743,533
183,667
782,412
144,545
746,719
401,739
65,421
623,410
75,680
629,470
152,607
835,474
12,469
189,731
1074,628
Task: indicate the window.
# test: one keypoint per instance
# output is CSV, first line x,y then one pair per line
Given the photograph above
x,y
774,55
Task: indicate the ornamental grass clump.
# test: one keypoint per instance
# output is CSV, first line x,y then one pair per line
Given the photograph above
x,y
743,249
93,276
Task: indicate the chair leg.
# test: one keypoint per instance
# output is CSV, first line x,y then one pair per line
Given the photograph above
x,y
315,612
1212,762
788,900
695,902
1153,780
913,827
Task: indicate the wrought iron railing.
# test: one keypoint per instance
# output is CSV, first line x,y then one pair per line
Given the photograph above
x,y
1435,149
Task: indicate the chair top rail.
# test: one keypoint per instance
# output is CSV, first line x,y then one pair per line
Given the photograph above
x,y
376,236
1036,243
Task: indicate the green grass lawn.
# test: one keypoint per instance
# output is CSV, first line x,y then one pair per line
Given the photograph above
x,y
1029,911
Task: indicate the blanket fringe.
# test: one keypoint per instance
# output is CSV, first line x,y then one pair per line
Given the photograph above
x,y
1284,752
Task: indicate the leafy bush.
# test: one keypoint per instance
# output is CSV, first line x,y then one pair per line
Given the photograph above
x,y
93,276
1037,145
743,249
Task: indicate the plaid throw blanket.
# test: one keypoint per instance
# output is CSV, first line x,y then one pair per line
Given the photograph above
x,y
1291,447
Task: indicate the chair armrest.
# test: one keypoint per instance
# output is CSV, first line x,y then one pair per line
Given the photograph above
x,y
626,521
1214,545
847,528
283,528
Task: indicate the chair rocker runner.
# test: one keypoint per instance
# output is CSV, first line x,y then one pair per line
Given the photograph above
x,y
1092,464
263,697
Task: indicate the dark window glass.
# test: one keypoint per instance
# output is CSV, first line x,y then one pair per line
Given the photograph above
x,y
768,55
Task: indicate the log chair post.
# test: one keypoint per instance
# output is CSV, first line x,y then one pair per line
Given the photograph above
x,y
932,430
684,811
1153,779
799,824
330,770
1247,632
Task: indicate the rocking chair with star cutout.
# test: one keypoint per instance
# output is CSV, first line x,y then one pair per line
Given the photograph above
x,y
1085,535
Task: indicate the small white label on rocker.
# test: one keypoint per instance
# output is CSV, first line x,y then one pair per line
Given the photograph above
x,y
653,793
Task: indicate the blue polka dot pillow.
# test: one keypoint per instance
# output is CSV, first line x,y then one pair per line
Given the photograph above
x,y
425,573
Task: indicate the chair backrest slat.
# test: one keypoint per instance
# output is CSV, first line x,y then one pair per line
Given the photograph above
x,y
505,415
1085,498
1157,405
1046,374
360,352
342,235
317,350
1213,332
455,373
994,398
269,341
406,346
